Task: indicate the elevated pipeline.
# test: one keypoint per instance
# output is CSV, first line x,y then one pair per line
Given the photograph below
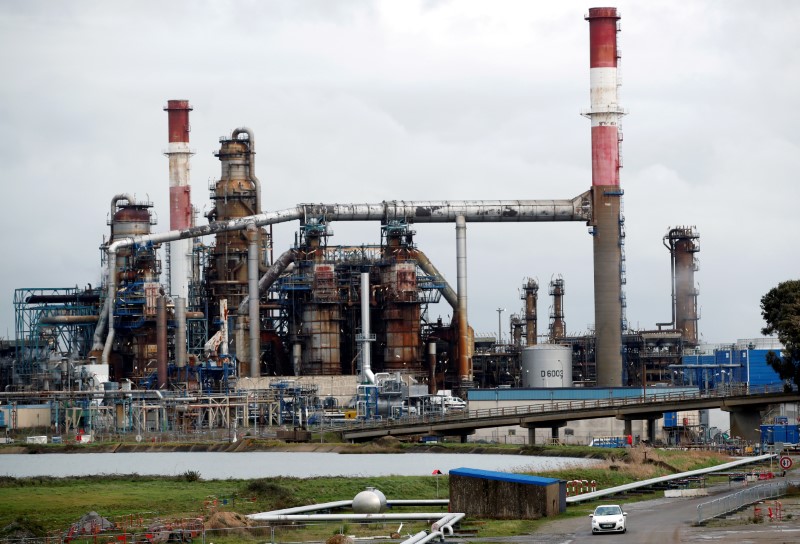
x,y
661,479
576,209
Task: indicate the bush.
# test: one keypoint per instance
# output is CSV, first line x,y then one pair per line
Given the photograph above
x,y
22,528
192,475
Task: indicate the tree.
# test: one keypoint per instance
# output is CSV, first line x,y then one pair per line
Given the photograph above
x,y
780,308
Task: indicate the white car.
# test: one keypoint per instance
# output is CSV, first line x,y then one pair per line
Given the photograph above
x,y
608,518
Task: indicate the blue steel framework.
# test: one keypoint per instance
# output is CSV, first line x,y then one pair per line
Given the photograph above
x,y
38,342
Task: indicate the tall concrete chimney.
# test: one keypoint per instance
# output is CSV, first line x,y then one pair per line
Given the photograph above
x,y
605,114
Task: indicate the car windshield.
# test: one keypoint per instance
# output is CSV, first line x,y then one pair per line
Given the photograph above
x,y
608,511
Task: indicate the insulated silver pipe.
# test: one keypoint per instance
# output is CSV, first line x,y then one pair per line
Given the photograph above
x,y
493,211
252,281
432,367
161,342
180,332
102,321
576,209
117,198
223,317
446,211
366,358
111,286
272,274
464,372
342,517
428,267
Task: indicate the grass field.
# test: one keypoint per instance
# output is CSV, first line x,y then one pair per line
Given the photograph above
x,y
52,504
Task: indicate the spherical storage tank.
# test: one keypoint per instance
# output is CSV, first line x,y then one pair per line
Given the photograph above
x,y
547,365
369,501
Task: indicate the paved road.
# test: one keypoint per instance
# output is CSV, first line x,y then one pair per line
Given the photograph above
x,y
663,521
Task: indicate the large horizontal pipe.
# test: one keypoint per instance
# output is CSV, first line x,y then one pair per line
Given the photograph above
x,y
67,319
269,277
439,211
346,517
89,298
446,211
428,267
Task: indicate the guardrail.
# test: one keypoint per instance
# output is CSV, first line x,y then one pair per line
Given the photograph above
x,y
731,503
650,397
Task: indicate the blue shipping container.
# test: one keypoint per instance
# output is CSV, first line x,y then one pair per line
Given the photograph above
x,y
788,434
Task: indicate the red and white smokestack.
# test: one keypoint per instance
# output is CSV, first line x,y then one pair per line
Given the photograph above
x,y
605,113
180,204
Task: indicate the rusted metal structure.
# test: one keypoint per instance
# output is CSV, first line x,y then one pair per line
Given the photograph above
x,y
683,243
320,323
558,328
236,260
136,270
300,315
235,197
606,224
517,329
400,300
530,294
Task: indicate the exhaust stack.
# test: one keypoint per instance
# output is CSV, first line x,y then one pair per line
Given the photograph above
x,y
606,222
180,202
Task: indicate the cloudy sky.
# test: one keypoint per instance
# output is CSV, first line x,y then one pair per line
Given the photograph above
x,y
364,101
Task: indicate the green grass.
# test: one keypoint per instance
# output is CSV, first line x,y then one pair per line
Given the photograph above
x,y
58,502
55,503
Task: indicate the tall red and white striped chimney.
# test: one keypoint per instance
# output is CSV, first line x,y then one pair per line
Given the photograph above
x,y
180,204
605,115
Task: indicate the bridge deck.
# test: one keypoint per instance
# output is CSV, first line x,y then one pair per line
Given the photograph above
x,y
548,414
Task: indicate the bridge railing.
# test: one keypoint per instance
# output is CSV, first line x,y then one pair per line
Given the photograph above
x,y
649,397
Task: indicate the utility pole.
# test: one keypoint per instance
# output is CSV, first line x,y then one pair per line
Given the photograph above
x,y
500,325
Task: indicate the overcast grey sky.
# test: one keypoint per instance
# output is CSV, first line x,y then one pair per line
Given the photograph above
x,y
363,101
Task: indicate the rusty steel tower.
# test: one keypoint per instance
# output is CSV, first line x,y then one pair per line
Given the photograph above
x,y
558,328
606,224
683,243
530,291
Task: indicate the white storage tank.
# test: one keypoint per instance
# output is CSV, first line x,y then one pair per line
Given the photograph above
x,y
370,501
547,365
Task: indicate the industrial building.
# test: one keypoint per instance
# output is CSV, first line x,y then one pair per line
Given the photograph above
x,y
207,307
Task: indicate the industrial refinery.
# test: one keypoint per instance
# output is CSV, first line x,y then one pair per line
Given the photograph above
x,y
204,324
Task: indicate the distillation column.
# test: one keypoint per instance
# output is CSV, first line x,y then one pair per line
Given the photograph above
x,y
238,258
530,294
683,243
180,202
605,115
400,297
558,328
321,325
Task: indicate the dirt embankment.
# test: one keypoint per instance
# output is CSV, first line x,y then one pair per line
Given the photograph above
x,y
386,444
249,445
